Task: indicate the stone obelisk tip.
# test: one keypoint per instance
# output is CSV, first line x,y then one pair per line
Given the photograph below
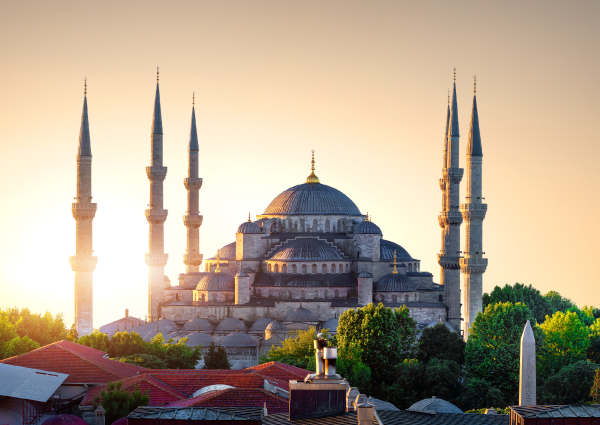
x,y
527,396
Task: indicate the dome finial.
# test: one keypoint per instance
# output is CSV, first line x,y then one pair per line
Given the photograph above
x,y
313,177
218,269
395,271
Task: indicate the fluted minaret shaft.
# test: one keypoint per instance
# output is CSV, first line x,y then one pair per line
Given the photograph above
x,y
156,259
450,219
473,265
193,220
83,262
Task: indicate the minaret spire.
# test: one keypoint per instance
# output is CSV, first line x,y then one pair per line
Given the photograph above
x,y
156,259
193,220
473,265
83,262
450,219
312,178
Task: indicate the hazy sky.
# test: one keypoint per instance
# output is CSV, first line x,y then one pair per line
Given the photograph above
x,y
363,83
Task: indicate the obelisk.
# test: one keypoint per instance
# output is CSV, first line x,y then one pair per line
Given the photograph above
x,y
527,372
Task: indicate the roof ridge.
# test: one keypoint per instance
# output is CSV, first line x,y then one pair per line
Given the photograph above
x,y
171,390
32,351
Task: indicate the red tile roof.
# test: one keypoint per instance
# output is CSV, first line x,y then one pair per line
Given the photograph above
x,y
84,365
237,397
194,380
279,371
159,392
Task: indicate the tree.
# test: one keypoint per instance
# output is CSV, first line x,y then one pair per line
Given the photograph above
x,y
18,345
296,350
385,336
118,402
44,329
439,342
492,351
145,360
558,302
570,385
566,340
478,393
538,304
7,333
595,390
593,352
72,335
591,311
96,339
350,365
123,344
406,388
177,355
216,358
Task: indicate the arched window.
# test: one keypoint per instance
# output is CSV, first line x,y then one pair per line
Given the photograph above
x,y
176,297
327,225
348,293
290,294
269,268
314,268
333,268
337,293
315,226
381,298
346,268
418,267
324,268
214,297
340,229
394,298
341,268
406,298
302,295
304,268
415,297
276,268
204,298
410,267
326,293
441,298
284,268
294,268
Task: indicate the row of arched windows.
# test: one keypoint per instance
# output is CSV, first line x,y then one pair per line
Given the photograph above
x,y
211,297
413,267
332,268
287,293
395,298
304,226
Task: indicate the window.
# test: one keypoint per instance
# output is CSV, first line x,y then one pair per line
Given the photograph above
x,y
346,268
304,268
415,297
315,226
294,268
333,268
203,298
381,298
258,292
394,298
324,268
302,295
176,297
284,268
326,293
314,268
327,225
269,268
337,293
406,298
214,297
410,267
341,268
290,294
276,268
441,298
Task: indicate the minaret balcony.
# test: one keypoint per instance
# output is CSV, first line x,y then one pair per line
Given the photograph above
x,y
192,183
453,175
193,220
449,262
450,218
473,265
443,185
156,173
192,259
83,264
156,216
83,211
473,212
156,259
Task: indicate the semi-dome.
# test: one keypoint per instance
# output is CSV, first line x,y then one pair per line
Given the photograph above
x,y
387,248
198,324
306,249
331,324
238,339
231,324
248,227
312,198
261,324
300,315
367,228
199,338
226,253
394,282
276,326
436,405
216,282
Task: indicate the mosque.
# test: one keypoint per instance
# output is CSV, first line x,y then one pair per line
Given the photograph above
x,y
311,255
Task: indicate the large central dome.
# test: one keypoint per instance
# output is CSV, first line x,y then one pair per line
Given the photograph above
x,y
312,198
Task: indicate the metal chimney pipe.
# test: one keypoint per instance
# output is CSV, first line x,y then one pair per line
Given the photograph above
x,y
330,357
320,343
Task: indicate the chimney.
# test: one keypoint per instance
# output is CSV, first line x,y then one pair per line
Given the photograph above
x,y
322,393
365,410
100,415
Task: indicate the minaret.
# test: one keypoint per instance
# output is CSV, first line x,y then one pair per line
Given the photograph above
x,y
83,262
473,264
450,219
193,220
156,259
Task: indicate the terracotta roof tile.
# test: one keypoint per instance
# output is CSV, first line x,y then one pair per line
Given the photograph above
x,y
238,397
280,371
194,380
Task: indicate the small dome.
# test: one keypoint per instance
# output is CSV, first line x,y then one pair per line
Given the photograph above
x,y
216,282
276,327
394,283
238,339
198,324
436,405
199,338
365,275
331,324
312,198
300,315
231,324
306,249
367,228
226,253
261,324
248,227
64,420
443,322
387,248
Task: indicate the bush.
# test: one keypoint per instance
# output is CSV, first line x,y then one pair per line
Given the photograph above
x,y
119,403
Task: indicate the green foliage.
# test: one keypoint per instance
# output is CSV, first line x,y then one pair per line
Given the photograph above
x,y
493,349
439,342
145,360
385,336
350,366
595,390
96,339
557,302
591,311
566,340
593,352
7,333
477,392
123,344
177,355
18,345
216,358
296,350
118,402
499,410
44,329
72,335
538,304
571,385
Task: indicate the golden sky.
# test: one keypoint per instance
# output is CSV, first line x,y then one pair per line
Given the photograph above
x,y
363,83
